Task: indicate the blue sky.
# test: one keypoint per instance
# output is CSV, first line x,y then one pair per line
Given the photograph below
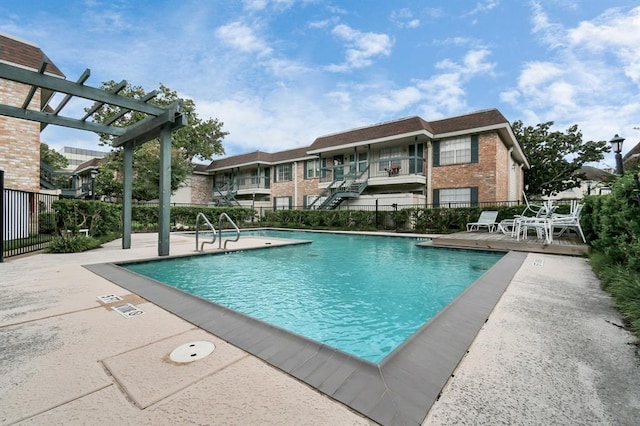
x,y
280,73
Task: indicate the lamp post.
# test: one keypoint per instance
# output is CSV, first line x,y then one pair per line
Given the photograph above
x,y
93,174
616,144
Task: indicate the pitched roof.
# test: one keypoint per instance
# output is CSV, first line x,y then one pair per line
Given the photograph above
x,y
256,157
237,160
25,54
290,154
377,131
90,164
473,120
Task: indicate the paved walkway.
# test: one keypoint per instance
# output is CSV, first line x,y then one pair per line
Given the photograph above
x,y
552,352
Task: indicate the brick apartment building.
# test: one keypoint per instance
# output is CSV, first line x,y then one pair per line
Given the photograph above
x,y
467,159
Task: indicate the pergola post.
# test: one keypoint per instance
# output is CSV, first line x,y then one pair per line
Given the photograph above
x,y
164,208
127,195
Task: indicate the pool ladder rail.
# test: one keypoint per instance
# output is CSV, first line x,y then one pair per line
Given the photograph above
x,y
213,230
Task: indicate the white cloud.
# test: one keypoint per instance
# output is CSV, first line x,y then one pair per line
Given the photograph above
x,y
590,76
361,47
615,32
484,6
258,5
404,18
243,38
552,34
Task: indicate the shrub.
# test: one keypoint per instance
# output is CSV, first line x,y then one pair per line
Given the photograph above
x,y
72,244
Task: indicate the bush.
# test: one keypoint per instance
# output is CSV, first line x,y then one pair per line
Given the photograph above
x,y
47,223
72,244
610,223
98,217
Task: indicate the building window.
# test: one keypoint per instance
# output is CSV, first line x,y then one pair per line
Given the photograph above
x,y
282,203
455,197
312,169
389,154
455,151
283,172
459,150
309,200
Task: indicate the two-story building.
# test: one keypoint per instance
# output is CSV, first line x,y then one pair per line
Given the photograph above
x,y
467,159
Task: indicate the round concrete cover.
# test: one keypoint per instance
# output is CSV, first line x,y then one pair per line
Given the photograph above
x,y
192,351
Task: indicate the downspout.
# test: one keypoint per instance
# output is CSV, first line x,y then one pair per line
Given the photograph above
x,y
368,161
295,182
429,169
510,181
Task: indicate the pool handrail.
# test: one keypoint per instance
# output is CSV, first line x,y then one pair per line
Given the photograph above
x,y
222,216
213,230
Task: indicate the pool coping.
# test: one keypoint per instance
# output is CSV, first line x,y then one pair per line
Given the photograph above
x,y
399,390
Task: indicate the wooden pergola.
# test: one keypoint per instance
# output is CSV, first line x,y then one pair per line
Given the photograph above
x,y
160,122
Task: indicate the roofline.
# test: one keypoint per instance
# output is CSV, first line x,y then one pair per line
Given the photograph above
x,y
21,40
372,141
266,163
368,126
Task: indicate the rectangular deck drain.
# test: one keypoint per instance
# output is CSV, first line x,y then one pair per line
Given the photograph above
x,y
128,310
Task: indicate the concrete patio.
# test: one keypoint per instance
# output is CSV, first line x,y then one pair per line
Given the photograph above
x,y
552,352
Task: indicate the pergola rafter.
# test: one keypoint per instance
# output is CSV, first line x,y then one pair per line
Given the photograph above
x,y
160,122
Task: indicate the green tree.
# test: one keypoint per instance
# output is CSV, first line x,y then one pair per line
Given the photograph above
x,y
555,156
199,139
52,158
56,162
146,160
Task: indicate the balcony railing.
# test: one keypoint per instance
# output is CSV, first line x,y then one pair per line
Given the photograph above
x,y
244,183
388,168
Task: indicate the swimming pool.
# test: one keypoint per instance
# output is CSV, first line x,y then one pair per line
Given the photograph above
x,y
363,295
399,390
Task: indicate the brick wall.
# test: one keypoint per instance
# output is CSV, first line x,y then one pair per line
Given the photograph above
x,y
19,140
201,189
488,174
288,188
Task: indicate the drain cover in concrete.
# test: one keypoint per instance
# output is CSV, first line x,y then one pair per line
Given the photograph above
x,y
192,351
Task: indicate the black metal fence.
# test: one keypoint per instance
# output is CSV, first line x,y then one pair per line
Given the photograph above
x,y
28,221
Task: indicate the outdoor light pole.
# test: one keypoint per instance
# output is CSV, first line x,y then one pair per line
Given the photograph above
x,y
93,173
616,144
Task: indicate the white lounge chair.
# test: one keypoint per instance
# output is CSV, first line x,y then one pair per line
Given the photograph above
x,y
487,219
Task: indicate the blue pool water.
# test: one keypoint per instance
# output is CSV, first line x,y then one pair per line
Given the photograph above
x,y
364,295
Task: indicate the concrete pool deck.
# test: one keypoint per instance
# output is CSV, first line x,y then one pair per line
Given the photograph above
x,y
551,352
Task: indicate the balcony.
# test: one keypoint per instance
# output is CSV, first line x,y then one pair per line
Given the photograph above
x,y
246,185
390,171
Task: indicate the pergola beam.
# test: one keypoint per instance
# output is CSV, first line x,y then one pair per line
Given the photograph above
x,y
123,111
96,106
84,77
57,84
48,118
151,127
32,91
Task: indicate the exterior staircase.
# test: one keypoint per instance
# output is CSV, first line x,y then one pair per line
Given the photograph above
x,y
226,195
350,186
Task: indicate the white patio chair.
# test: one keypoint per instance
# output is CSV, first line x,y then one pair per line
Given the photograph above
x,y
487,219
510,226
568,222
